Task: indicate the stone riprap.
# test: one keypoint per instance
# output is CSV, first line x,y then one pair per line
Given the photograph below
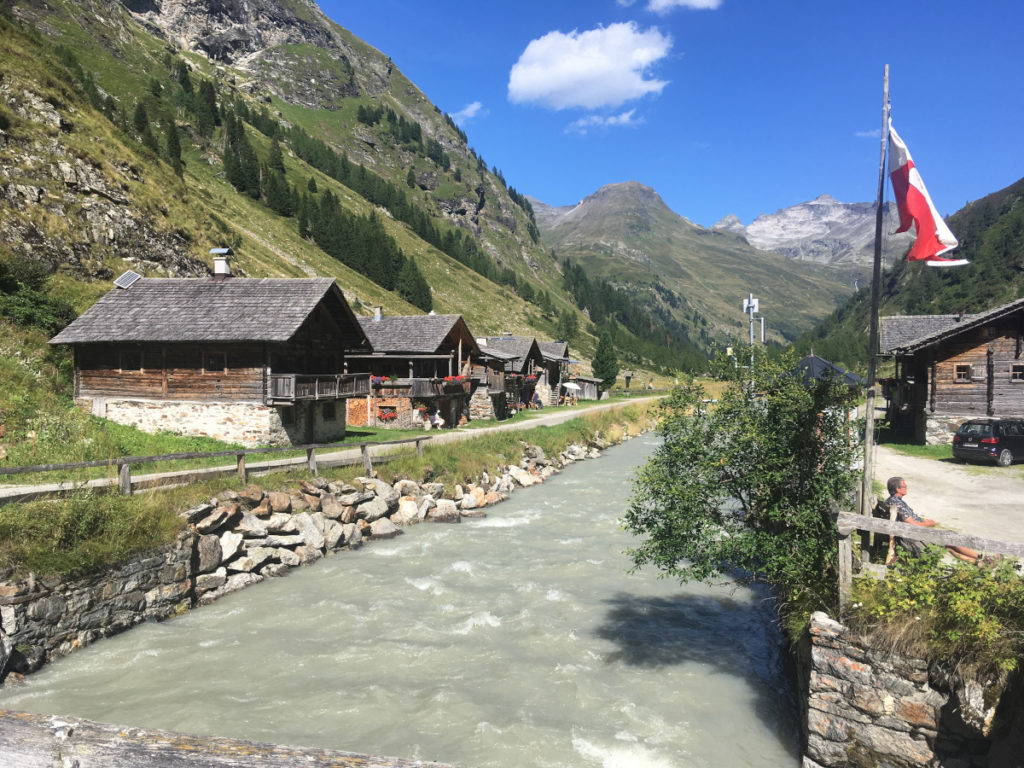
x,y
867,706
240,538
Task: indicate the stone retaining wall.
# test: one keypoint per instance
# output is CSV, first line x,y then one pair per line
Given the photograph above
x,y
870,707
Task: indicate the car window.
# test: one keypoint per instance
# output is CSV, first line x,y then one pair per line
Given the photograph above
x,y
975,429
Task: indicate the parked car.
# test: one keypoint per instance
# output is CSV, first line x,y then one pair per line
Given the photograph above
x,y
998,440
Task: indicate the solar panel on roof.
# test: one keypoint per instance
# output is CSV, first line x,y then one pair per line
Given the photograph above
x,y
127,279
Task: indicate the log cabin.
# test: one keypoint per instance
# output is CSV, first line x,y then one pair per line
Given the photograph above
x,y
950,368
555,370
246,361
420,368
524,365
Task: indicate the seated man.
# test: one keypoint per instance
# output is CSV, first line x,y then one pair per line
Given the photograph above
x,y
897,487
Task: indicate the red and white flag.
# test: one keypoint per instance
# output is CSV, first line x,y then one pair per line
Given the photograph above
x,y
916,207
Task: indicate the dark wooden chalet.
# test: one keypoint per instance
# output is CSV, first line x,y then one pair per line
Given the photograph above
x,y
954,367
250,361
524,364
555,370
420,367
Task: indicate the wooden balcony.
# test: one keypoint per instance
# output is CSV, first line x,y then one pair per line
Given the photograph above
x,y
294,387
420,388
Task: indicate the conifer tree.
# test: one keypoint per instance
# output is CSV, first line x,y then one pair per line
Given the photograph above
x,y
410,179
605,362
174,147
413,287
140,120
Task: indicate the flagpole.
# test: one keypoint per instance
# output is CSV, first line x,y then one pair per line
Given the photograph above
x,y
876,276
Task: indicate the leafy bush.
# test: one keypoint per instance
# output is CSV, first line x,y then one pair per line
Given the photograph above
x,y
952,611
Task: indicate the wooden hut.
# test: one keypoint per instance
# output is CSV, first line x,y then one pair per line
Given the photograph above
x,y
524,364
950,368
420,367
248,361
555,370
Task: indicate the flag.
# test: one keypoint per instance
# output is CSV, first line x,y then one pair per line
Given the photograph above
x,y
916,207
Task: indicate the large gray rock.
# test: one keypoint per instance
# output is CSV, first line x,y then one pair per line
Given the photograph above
x,y
280,522
291,540
353,536
334,532
383,529
522,477
252,559
230,543
206,582
408,511
234,583
371,510
445,512
219,517
381,489
309,531
251,526
434,489
331,507
355,498
210,552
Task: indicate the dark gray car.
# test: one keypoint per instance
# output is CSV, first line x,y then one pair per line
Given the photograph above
x,y
996,440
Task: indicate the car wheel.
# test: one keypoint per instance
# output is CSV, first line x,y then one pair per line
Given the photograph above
x,y
1005,458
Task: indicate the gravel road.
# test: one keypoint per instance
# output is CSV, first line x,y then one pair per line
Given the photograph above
x,y
982,500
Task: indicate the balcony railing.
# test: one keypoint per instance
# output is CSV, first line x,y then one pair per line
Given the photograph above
x,y
291,387
420,387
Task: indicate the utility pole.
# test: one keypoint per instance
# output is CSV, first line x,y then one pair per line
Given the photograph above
x,y
750,307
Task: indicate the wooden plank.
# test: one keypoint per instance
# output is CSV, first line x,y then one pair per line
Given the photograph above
x,y
29,740
241,467
847,523
845,571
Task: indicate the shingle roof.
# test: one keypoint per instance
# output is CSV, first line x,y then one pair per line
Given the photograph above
x,y
520,346
909,332
554,350
202,309
415,334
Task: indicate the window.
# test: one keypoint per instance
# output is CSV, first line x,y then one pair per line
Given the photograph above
x,y
288,416
131,360
962,373
1017,373
329,412
214,362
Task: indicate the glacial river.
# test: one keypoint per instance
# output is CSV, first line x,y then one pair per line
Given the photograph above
x,y
518,640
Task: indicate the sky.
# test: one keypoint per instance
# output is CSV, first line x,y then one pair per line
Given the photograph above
x,y
722,106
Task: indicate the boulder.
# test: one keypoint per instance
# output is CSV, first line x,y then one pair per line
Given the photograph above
x,y
288,558
407,487
426,505
252,559
307,554
263,509
280,522
298,502
230,543
220,517
284,540
308,530
352,535
434,489
381,489
408,511
331,507
251,495
197,513
371,510
522,477
251,526
210,553
333,534
208,581
235,582
468,502
383,529
444,512
340,488
275,569
311,501
458,493
280,502
355,498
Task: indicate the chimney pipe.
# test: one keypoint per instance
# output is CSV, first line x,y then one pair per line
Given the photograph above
x,y
221,267
378,313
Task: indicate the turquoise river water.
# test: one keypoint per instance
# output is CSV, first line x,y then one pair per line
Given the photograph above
x,y
517,640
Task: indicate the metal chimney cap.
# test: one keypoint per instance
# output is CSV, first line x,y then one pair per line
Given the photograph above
x,y
221,252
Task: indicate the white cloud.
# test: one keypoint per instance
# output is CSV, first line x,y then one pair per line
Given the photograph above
x,y
625,3
468,112
601,67
663,7
598,121
875,134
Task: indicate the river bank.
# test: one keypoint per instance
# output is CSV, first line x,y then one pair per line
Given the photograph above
x,y
246,535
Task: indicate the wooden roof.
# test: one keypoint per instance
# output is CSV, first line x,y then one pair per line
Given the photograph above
x,y
235,309
907,333
554,350
417,334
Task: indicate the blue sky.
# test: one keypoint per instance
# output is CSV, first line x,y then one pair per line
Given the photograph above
x,y
722,106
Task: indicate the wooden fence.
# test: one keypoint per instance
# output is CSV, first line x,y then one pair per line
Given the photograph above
x,y
124,464
847,523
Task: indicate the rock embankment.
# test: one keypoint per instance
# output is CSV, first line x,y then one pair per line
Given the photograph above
x,y
240,538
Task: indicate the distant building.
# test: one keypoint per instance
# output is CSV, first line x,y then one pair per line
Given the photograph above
x,y
950,368
249,361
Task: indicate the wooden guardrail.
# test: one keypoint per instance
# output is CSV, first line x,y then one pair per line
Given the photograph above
x,y
847,523
124,463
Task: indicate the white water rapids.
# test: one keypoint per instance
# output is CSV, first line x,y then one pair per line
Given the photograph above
x,y
515,640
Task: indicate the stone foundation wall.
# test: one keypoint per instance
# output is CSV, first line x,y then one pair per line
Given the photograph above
x,y
865,706
247,424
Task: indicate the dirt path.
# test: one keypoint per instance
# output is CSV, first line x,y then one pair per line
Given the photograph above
x,y
981,500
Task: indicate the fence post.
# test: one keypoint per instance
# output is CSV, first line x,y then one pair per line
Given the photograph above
x,y
419,446
311,460
241,467
367,466
845,571
124,476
